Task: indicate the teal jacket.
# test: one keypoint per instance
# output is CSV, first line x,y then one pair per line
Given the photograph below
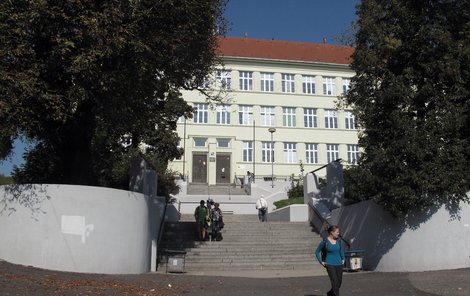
x,y
334,253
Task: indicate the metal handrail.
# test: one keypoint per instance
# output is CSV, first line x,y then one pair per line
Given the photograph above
x,y
324,221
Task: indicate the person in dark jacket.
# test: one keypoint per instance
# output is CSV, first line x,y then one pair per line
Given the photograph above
x,y
330,254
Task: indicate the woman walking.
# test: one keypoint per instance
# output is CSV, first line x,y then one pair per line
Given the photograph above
x,y
330,254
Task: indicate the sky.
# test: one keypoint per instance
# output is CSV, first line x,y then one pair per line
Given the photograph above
x,y
291,20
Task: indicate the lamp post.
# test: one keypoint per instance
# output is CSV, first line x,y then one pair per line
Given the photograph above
x,y
272,130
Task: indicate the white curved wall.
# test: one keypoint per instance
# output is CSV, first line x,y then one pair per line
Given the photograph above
x,y
76,228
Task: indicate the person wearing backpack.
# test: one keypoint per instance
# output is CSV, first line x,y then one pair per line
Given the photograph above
x,y
330,254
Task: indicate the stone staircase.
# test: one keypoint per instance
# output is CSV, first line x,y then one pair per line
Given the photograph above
x,y
247,245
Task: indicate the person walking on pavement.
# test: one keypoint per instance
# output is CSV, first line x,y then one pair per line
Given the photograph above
x,y
200,214
262,207
330,254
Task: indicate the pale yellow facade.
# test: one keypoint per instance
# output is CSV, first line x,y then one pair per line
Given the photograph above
x,y
207,142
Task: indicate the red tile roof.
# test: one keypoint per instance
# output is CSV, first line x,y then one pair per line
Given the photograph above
x,y
285,50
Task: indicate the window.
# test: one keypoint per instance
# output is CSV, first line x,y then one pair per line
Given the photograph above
x,y
223,143
204,84
267,151
288,116
310,117
350,121
223,114
346,83
248,151
224,79
245,115
201,112
290,152
311,153
200,142
308,85
332,153
246,80
329,86
267,116
267,82
288,84
331,119
353,154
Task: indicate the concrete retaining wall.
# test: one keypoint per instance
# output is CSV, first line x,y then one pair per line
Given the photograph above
x,y
292,213
431,240
78,228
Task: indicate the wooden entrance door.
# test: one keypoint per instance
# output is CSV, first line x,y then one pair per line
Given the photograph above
x,y
200,168
223,168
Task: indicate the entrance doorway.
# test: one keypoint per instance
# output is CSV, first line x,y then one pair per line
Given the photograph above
x,y
200,168
223,168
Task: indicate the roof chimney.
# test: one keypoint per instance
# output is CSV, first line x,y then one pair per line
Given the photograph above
x,y
324,40
245,35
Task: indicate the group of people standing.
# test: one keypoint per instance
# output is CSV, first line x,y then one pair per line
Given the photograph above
x,y
209,220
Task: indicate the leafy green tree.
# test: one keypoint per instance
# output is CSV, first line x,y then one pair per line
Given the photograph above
x,y
411,96
81,77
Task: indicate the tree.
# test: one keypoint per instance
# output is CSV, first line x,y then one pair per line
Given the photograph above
x,y
81,77
411,96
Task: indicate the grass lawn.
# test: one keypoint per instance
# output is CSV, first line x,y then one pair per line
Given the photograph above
x,y
5,180
289,201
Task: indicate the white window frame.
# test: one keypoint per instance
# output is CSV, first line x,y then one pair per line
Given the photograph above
x,y
349,120
268,116
289,116
346,85
247,151
353,154
329,86
267,82
288,83
245,115
223,140
201,116
290,152
267,152
311,153
223,114
332,152
246,80
331,119
308,84
224,79
196,140
310,118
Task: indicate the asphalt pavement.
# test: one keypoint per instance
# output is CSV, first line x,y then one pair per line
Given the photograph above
x,y
24,280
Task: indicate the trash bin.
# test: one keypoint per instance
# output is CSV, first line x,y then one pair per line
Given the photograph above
x,y
354,260
175,260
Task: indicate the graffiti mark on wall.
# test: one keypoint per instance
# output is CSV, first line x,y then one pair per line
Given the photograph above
x,y
76,225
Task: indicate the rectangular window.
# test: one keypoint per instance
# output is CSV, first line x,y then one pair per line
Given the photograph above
x,y
331,119
245,115
267,82
223,143
288,116
267,116
308,85
353,154
224,79
204,84
248,151
200,142
201,112
246,80
290,152
288,83
329,86
310,117
346,83
311,153
332,152
223,114
350,121
267,152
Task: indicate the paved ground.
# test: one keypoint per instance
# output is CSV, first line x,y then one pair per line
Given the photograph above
x,y
22,280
